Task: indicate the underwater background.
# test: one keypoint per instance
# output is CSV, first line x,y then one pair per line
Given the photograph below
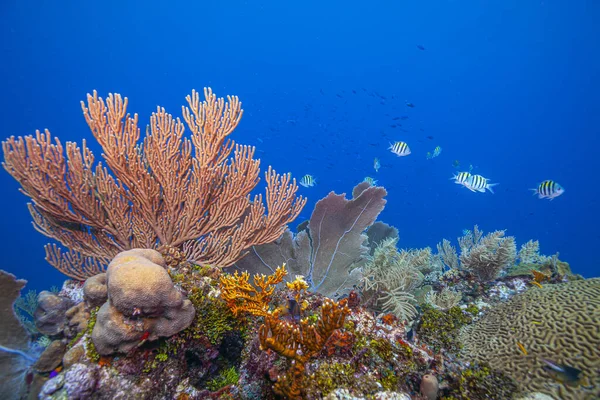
x,y
509,87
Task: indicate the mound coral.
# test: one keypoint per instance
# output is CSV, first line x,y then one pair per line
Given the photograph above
x,y
165,190
558,322
142,303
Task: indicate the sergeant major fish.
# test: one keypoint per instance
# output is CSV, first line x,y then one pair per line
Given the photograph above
x,y
308,181
548,190
400,149
477,183
461,178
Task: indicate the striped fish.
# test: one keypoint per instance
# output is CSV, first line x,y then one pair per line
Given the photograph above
x,y
400,149
308,181
461,178
477,183
548,190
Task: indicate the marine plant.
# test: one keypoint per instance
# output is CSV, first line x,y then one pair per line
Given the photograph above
x,y
166,189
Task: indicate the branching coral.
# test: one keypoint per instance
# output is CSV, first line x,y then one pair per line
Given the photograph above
x,y
241,296
163,190
300,342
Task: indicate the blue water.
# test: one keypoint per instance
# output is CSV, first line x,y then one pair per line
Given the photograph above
x,y
509,86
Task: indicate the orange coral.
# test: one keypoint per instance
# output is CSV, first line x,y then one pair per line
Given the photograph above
x,y
300,342
160,188
241,296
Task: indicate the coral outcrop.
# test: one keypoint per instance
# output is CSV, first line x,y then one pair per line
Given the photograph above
x,y
143,303
558,322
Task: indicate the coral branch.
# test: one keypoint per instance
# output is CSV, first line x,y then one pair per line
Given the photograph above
x,y
241,296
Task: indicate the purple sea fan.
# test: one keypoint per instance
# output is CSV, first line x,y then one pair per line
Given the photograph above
x,y
330,252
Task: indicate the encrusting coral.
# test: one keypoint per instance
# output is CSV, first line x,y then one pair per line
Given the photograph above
x,y
165,190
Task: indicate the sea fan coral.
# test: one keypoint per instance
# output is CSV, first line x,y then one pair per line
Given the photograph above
x,y
165,190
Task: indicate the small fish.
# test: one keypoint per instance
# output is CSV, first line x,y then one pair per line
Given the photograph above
x,y
461,178
400,149
293,309
308,181
478,183
420,47
522,348
411,105
370,181
562,373
436,152
456,163
376,164
548,190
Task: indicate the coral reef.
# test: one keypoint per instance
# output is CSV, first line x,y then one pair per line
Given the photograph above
x,y
558,322
165,190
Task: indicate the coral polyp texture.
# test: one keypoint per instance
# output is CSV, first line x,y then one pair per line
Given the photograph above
x,y
558,322
165,189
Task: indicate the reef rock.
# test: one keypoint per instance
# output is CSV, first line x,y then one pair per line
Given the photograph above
x,y
50,315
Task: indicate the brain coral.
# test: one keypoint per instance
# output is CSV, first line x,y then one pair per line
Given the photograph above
x,y
558,322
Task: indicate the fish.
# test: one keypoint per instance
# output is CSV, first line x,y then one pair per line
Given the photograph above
x,y
370,181
411,105
548,189
436,152
478,183
461,178
565,374
400,149
456,163
308,181
522,348
376,164
420,47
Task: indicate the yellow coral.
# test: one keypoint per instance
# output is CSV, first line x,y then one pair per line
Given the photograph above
x,y
241,296
298,284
